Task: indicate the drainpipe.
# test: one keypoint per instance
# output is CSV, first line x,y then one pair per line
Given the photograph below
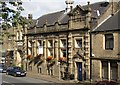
x,y
90,55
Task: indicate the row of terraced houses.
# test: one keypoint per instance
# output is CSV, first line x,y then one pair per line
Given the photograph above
x,y
80,43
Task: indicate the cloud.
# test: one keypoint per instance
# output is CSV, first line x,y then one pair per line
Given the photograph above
x,y
41,7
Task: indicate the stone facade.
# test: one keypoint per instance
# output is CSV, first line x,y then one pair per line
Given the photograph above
x,y
105,45
58,44
68,37
62,40
102,55
13,45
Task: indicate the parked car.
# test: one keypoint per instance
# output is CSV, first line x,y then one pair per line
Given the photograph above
x,y
106,82
2,68
15,71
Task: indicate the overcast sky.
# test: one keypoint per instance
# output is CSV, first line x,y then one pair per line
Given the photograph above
x,y
41,7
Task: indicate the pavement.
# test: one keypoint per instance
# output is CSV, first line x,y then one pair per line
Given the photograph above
x,y
53,79
48,78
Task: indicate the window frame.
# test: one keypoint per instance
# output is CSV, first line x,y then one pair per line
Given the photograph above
x,y
109,41
78,43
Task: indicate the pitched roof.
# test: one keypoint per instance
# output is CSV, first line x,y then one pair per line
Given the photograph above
x,y
62,17
33,23
110,24
98,8
50,19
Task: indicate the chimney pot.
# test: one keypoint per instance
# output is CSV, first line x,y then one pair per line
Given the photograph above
x,y
30,16
88,2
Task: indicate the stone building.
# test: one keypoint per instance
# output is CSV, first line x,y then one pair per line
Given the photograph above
x,y
13,45
106,49
59,43
7,45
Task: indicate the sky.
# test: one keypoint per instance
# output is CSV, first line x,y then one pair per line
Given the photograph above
x,y
40,7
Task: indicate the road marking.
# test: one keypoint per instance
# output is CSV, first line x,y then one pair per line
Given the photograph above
x,y
8,82
5,82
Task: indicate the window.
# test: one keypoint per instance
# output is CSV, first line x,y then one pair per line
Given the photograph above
x,y
109,41
104,69
39,42
63,43
18,36
50,43
78,43
64,53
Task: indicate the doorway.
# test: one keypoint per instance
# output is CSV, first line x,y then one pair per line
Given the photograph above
x,y
79,65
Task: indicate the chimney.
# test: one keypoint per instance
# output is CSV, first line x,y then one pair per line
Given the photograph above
x,y
88,3
69,4
30,16
88,16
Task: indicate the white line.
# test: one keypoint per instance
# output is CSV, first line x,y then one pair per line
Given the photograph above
x,y
8,82
5,82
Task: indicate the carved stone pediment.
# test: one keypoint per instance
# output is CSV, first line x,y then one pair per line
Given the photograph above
x,y
77,10
79,55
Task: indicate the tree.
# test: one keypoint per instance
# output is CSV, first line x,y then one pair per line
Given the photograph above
x,y
11,17
10,14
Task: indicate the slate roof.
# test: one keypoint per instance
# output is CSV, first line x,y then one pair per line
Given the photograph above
x,y
33,23
111,24
98,7
62,17
50,19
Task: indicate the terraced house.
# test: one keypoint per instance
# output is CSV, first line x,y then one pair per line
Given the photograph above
x,y
59,43
106,62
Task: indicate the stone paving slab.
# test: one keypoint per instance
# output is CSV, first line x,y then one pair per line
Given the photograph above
x,y
48,78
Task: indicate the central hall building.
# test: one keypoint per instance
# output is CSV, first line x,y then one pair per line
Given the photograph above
x,y
59,43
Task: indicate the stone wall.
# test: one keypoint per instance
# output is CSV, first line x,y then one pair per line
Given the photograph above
x,y
99,43
96,70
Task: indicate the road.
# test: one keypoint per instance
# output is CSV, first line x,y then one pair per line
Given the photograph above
x,y
11,80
